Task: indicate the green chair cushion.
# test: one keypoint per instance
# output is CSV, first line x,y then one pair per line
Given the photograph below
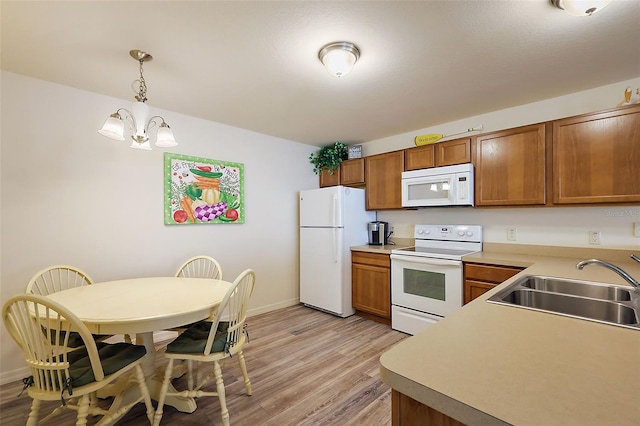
x,y
194,339
113,357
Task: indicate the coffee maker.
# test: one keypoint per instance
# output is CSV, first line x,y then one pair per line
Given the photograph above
x,y
379,233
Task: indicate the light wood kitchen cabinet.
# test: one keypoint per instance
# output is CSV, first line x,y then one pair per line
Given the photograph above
x,y
457,151
510,167
329,179
371,285
352,172
420,157
596,157
349,173
480,278
382,176
406,411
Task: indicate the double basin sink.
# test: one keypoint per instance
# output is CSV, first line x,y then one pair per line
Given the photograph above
x,y
604,303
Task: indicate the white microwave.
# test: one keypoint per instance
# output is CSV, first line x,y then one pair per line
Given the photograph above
x,y
439,186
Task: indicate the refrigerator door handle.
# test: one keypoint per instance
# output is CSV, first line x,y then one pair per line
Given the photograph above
x,y
336,246
335,210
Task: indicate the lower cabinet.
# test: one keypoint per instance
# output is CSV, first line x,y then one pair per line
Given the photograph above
x,y
406,411
480,278
371,285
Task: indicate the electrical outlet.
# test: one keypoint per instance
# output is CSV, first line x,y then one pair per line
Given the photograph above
x,y
636,229
594,237
512,234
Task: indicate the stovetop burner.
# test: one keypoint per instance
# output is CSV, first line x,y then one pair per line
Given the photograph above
x,y
444,241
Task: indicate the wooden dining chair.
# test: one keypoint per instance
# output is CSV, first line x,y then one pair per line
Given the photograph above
x,y
60,372
57,278
211,342
62,277
200,267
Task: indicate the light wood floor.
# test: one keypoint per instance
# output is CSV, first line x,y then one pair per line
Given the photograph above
x,y
306,368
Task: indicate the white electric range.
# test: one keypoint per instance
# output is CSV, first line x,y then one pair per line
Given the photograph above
x,y
426,280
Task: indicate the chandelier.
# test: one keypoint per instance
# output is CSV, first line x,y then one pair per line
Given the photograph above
x,y
137,120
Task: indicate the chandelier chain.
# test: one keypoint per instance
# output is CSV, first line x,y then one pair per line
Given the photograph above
x,y
142,91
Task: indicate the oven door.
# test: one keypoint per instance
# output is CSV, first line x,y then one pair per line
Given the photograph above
x,y
425,284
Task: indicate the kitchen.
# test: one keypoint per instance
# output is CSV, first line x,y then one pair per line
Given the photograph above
x,y
71,197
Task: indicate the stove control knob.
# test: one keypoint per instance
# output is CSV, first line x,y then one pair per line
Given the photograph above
x,y
469,233
461,233
427,232
420,232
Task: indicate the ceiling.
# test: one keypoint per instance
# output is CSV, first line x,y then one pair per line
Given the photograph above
x,y
254,64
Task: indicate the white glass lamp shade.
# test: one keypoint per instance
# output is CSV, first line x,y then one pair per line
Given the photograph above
x,y
339,58
582,7
164,138
140,112
144,146
113,128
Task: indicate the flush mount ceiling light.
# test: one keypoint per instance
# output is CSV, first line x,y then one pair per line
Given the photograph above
x,y
580,7
137,120
339,57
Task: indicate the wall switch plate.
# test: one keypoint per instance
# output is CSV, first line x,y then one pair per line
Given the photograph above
x,y
594,237
636,229
512,234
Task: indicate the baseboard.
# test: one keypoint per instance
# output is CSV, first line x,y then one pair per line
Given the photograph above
x,y
14,375
273,307
158,336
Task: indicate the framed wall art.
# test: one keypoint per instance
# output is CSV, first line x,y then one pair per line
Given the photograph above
x,y
201,190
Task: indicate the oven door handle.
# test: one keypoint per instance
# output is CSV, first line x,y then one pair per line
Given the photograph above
x,y
425,260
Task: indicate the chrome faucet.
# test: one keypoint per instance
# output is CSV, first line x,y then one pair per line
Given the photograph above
x,y
628,278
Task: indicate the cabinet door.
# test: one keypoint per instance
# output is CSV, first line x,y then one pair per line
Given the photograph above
x,y
457,151
480,278
328,179
383,173
596,157
406,411
352,172
420,157
510,167
473,289
371,290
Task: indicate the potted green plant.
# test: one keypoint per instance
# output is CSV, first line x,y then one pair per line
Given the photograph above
x,y
329,157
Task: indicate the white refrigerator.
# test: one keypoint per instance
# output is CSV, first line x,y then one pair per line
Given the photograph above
x,y
332,219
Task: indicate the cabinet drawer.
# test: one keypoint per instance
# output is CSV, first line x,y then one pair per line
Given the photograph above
x,y
373,259
490,273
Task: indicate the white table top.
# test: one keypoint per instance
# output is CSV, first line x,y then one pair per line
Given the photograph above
x,y
142,305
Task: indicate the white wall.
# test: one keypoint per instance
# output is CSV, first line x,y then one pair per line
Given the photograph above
x,y
557,226
71,196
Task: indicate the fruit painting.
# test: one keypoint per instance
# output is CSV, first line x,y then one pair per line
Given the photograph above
x,y
201,190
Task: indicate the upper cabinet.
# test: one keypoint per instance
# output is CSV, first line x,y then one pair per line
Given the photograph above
x,y
350,173
457,151
596,157
510,167
329,179
420,157
382,176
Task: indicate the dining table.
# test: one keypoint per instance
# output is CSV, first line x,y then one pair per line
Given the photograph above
x,y
141,306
